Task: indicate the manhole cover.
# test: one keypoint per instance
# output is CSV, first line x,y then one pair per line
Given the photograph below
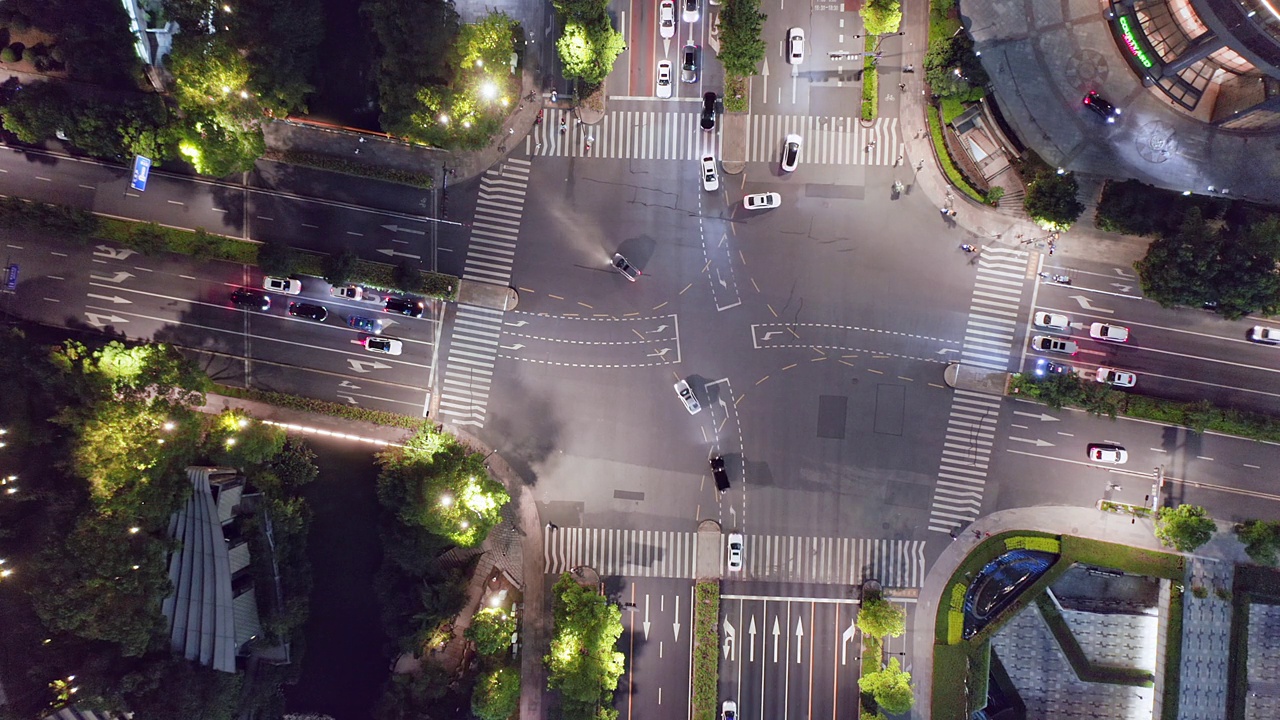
x,y
1087,69
1157,142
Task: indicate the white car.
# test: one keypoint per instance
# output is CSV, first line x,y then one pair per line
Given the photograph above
x,y
1110,454
710,181
762,201
1052,321
1049,343
1110,333
688,398
349,292
691,11
1265,335
664,78
288,286
795,45
791,153
729,710
1118,378
735,553
384,345
667,18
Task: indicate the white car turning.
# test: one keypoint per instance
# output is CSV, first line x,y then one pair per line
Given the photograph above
x,y
762,201
688,398
1110,333
1118,378
383,345
287,286
1109,454
1052,321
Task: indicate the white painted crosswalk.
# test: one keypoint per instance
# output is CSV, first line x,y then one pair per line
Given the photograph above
x,y
473,341
966,454
783,558
665,135
994,308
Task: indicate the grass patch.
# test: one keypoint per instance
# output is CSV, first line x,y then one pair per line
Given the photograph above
x,y
948,166
952,698
322,407
735,93
1173,655
346,166
706,650
1138,561
1084,669
870,81
952,108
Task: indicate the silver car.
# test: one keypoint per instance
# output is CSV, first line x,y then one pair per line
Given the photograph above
x,y
689,68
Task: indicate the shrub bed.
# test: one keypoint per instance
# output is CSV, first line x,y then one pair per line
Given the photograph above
x,y
323,407
346,166
706,650
1173,655
870,81
948,166
736,88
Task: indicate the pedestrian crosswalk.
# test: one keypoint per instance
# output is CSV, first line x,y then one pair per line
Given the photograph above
x,y
966,454
994,308
473,341
783,558
666,135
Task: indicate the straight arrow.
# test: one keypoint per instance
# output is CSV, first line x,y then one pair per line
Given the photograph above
x,y
751,635
114,299
676,625
799,638
645,624
393,253
98,321
1041,416
777,630
398,229
1037,443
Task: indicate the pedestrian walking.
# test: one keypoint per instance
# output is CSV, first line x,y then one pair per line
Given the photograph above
x,y
943,211
898,161
871,142
552,526
357,151
952,213
920,165
902,86
361,140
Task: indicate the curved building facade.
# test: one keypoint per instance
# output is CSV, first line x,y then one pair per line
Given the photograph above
x,y
1216,59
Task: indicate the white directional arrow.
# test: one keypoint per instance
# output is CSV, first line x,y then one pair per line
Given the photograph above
x,y
1084,303
393,253
398,229
1037,443
1121,287
777,631
349,399
751,635
764,72
659,353
645,624
348,384
117,278
1123,273
944,351
846,637
799,637
114,299
1041,416
723,283
98,321
107,251
518,323
770,334
729,640
676,625
517,346
364,366
660,328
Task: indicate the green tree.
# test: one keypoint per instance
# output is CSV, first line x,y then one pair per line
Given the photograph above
x,y
410,60
496,695
491,630
276,258
741,46
238,441
406,276
880,17
1051,200
1181,268
589,48
891,688
880,618
435,484
1261,539
1184,528
295,465
952,68
582,663
1246,279
339,268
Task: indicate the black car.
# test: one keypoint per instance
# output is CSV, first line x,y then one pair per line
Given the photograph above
x,y
404,306
308,311
1098,104
718,471
1046,367
708,121
251,299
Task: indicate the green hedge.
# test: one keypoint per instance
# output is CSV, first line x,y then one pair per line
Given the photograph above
x,y
1173,655
323,407
347,166
706,650
870,81
940,150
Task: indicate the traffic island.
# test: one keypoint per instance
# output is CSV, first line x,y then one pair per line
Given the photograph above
x,y
706,648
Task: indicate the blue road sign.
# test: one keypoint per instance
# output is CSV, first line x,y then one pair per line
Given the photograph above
x,y
141,169
11,278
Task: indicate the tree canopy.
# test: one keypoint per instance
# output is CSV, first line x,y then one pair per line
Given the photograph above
x,y
583,663
1052,201
497,694
1185,527
880,618
741,46
891,688
491,630
880,17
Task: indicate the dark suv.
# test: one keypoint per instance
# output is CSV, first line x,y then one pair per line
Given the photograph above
x,y
718,471
708,121
404,306
251,299
308,311
1099,104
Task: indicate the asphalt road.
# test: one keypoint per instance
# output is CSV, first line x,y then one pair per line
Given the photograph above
x,y
187,303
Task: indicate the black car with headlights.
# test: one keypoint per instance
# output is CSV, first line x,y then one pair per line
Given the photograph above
x,y
308,311
404,306
251,299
